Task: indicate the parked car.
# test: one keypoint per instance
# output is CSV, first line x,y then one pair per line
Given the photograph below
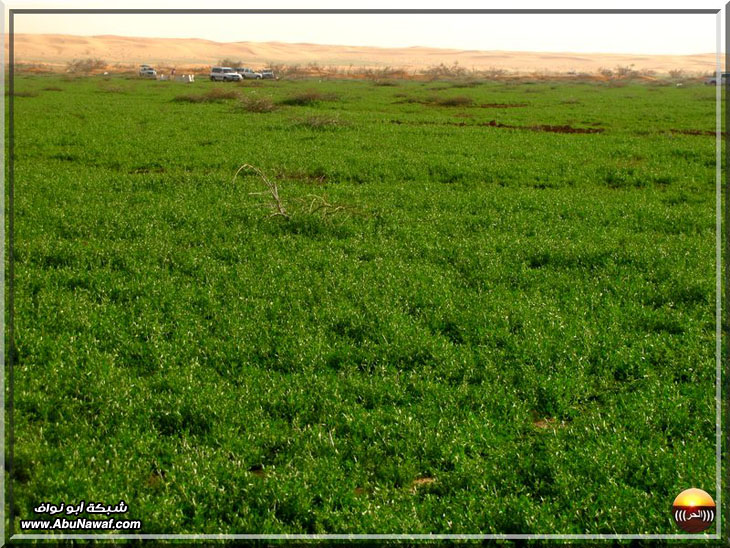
x,y
249,74
268,74
224,74
713,79
147,71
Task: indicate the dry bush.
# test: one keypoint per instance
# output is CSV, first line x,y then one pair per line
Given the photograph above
x,y
229,62
492,72
384,73
444,71
311,204
272,190
85,66
385,83
308,98
212,96
253,103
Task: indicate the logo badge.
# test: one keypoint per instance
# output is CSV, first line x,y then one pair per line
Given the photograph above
x,y
693,510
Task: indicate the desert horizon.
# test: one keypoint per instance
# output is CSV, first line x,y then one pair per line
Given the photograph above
x,y
55,51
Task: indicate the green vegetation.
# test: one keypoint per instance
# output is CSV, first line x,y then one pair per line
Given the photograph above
x,y
508,327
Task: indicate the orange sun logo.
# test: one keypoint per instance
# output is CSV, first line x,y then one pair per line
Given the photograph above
x,y
693,510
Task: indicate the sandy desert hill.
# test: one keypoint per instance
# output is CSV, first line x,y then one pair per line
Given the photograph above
x,y
56,50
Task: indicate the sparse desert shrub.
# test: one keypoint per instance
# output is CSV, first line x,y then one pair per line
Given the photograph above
x,y
626,71
492,72
230,62
212,96
85,66
308,98
444,71
253,103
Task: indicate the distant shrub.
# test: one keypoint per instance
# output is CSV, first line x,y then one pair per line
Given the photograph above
x,y
229,62
308,98
626,71
385,83
445,71
212,96
252,103
52,88
85,66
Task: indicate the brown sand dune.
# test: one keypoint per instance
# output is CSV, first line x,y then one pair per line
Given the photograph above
x,y
57,50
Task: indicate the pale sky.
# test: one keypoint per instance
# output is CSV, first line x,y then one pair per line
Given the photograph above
x,y
651,34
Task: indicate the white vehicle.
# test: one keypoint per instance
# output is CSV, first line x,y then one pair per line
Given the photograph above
x,y
713,79
224,74
249,74
268,74
147,71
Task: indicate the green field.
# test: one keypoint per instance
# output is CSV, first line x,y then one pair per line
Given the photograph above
x,y
496,326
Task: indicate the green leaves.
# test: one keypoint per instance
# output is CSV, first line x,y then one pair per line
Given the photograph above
x,y
513,333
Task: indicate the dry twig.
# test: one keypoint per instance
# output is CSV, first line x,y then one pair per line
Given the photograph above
x,y
272,191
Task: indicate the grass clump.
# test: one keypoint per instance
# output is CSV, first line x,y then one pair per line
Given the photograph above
x,y
385,83
252,103
458,101
320,122
213,96
309,97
